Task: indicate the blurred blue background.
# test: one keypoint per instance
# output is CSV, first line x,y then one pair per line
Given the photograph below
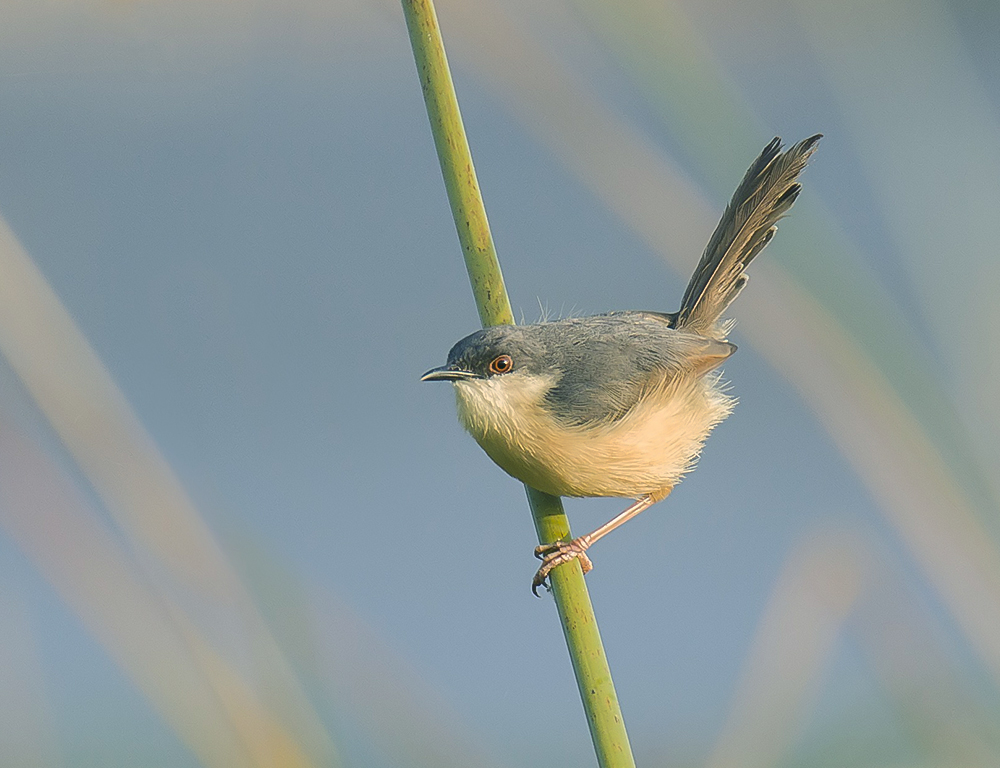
x,y
237,530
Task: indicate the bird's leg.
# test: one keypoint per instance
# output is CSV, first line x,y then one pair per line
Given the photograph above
x,y
559,552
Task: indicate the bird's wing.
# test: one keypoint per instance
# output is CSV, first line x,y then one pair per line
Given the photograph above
x,y
606,364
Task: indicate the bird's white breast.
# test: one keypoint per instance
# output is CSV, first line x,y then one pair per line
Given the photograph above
x,y
646,451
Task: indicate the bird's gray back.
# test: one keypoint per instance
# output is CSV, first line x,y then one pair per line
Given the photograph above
x,y
603,365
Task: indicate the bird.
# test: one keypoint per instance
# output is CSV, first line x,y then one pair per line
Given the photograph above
x,y
620,404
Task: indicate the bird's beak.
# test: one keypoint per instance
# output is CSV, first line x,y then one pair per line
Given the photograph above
x,y
447,373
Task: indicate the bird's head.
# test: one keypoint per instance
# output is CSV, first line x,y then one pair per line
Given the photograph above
x,y
501,377
487,355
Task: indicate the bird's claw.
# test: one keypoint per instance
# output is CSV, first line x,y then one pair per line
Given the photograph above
x,y
555,554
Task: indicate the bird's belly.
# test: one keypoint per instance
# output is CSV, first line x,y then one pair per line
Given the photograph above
x,y
646,451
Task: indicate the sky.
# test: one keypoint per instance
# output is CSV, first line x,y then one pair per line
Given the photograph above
x,y
235,527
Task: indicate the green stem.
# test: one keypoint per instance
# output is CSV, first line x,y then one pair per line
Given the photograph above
x,y
456,164
593,676
586,651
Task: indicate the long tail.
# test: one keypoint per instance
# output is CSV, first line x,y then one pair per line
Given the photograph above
x,y
764,196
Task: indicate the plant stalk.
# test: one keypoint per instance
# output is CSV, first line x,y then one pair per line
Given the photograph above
x,y
576,614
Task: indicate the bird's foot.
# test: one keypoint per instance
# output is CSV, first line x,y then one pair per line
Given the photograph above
x,y
555,554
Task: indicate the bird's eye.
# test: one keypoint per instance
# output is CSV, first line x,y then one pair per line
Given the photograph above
x,y
501,364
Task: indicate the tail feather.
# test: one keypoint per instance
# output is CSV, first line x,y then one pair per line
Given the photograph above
x,y
766,194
